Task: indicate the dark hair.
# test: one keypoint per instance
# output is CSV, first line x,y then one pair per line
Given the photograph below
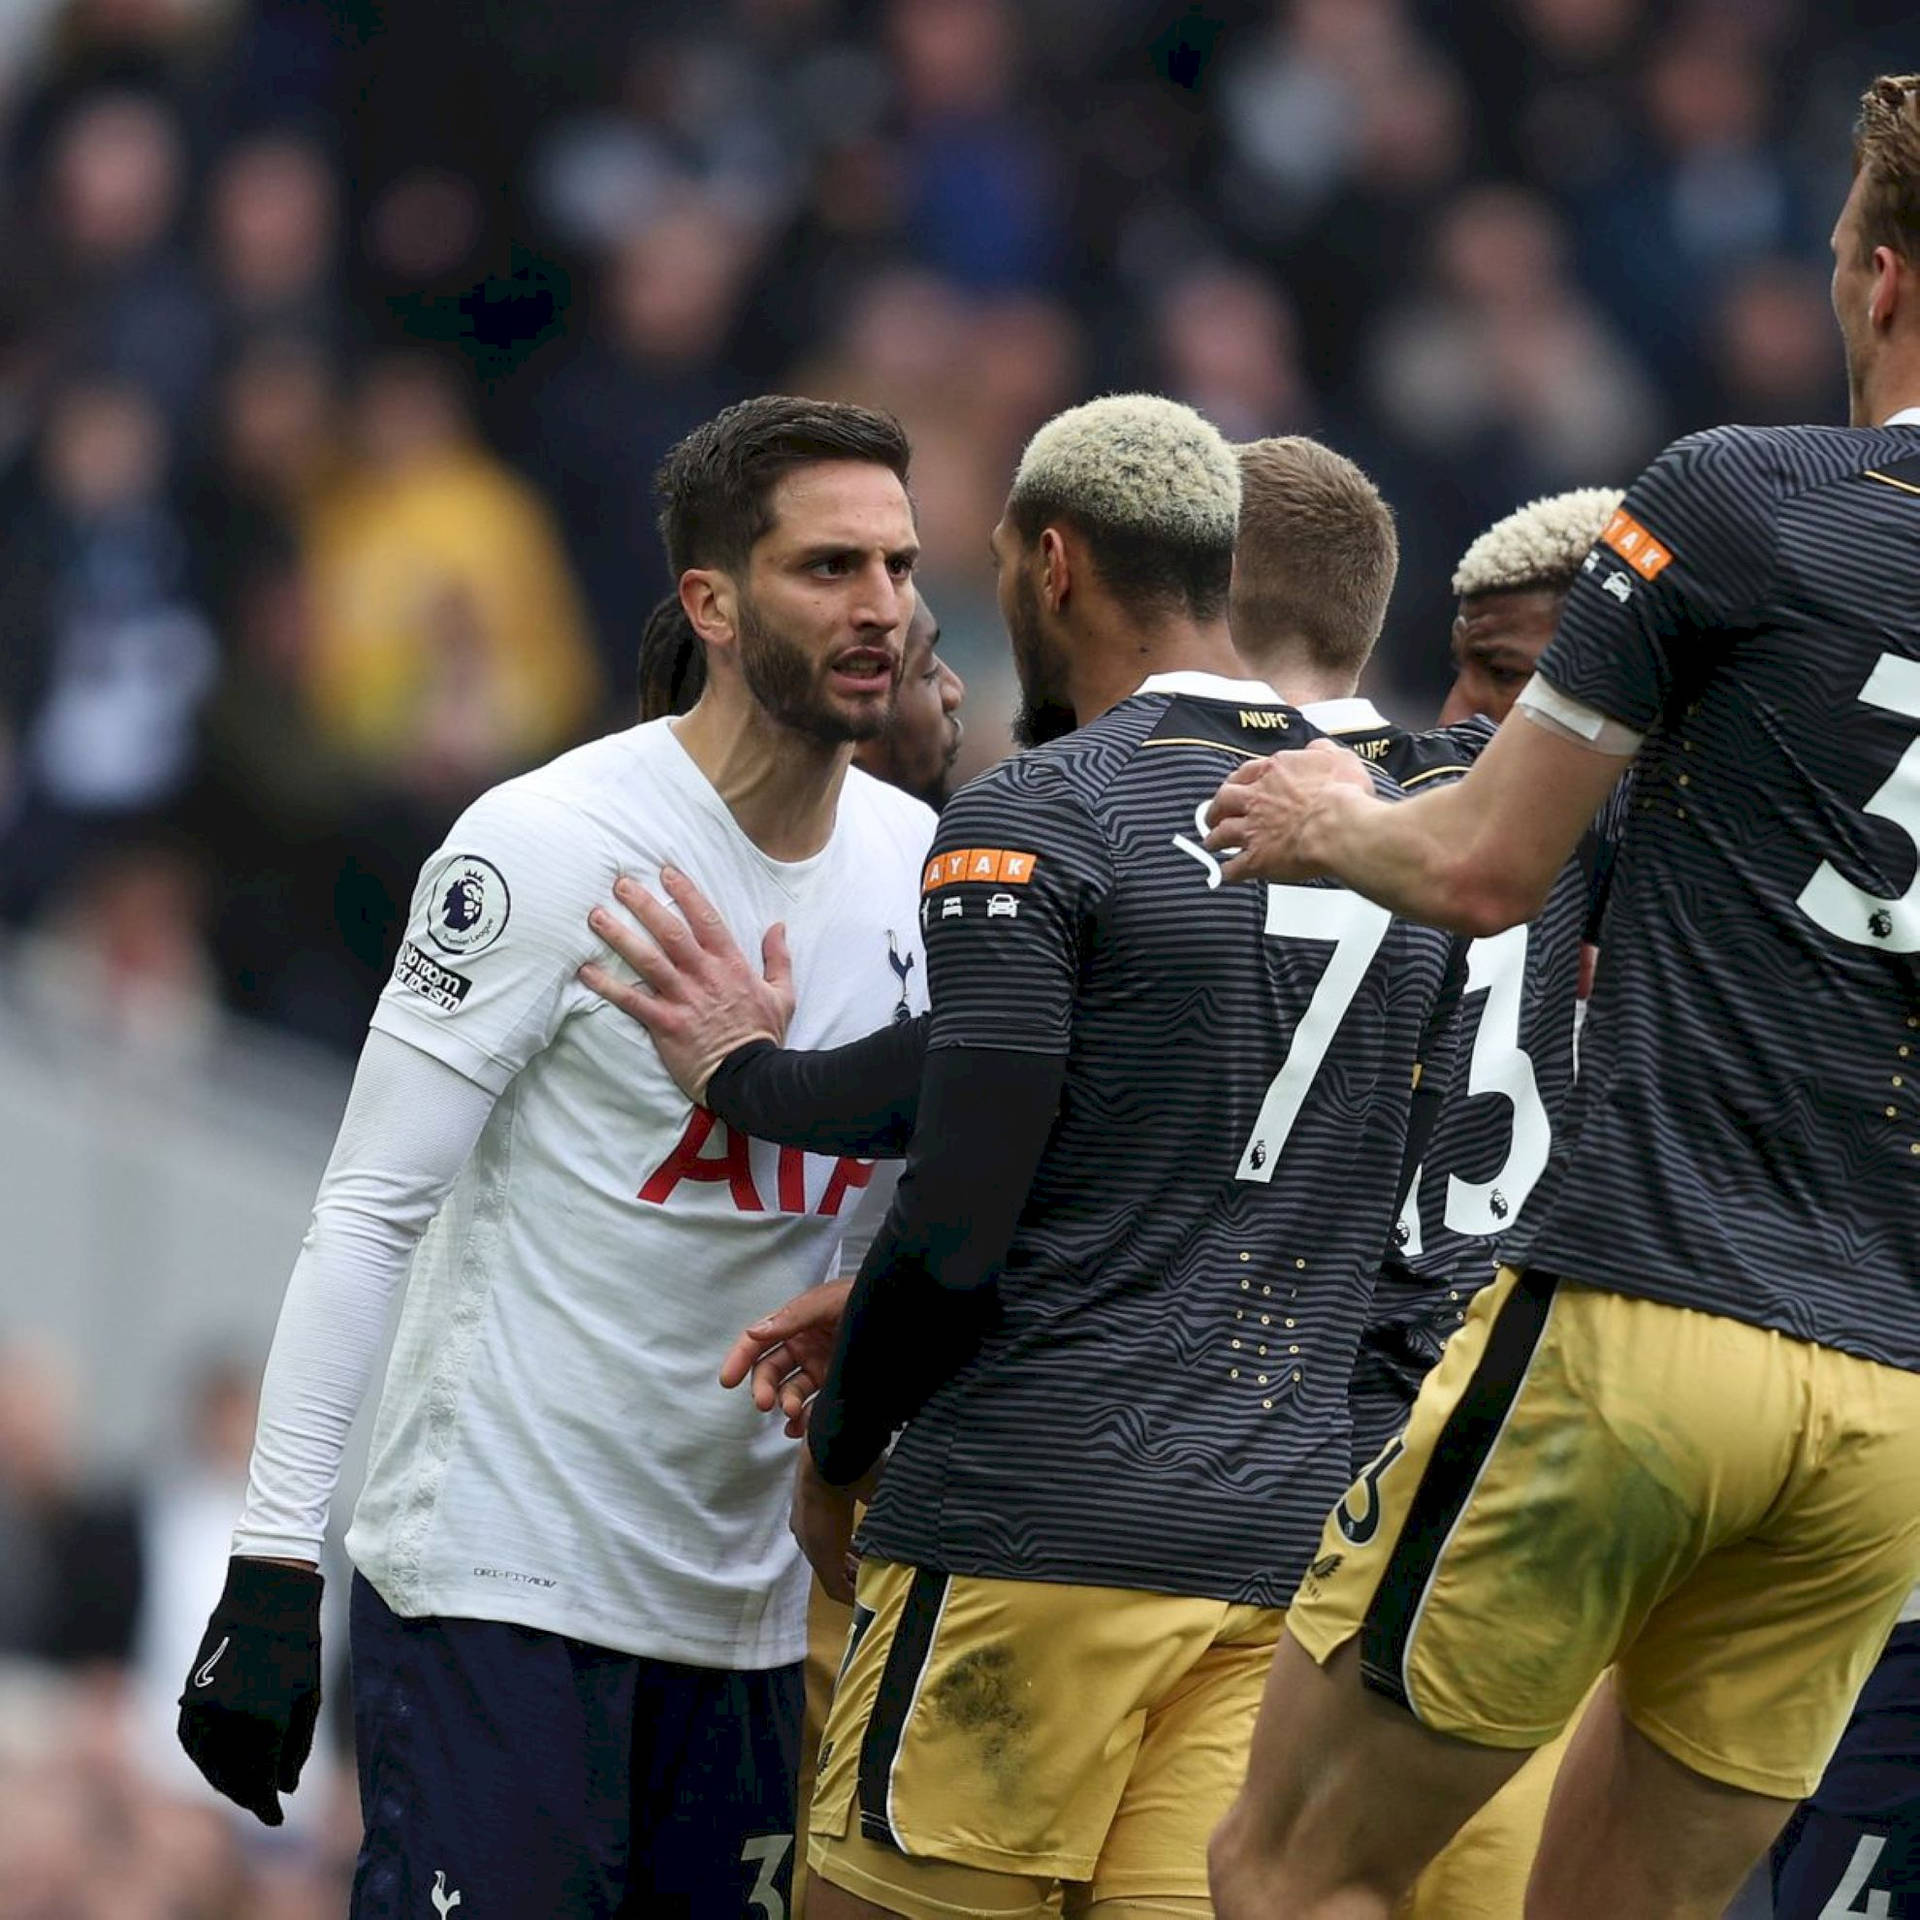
x,y
673,664
714,487
1162,571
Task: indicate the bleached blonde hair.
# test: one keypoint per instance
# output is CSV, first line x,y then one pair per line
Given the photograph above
x,y
1151,485
1540,545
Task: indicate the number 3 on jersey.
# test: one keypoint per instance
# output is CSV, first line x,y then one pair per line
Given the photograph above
x,y
1830,900
1356,926
1497,966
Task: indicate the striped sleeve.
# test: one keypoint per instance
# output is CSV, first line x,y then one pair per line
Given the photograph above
x,y
1686,561
1018,873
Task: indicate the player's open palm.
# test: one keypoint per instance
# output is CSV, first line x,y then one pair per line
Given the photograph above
x,y
787,1354
696,993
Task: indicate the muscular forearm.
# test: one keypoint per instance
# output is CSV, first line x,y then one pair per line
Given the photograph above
x,y
1480,854
1418,857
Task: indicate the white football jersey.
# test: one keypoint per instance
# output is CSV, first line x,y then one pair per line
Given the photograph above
x,y
552,1446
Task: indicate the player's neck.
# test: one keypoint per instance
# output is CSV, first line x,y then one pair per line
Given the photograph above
x,y
1128,652
782,787
1296,678
1890,386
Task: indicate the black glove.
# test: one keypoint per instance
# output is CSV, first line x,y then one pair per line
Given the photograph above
x,y
248,1712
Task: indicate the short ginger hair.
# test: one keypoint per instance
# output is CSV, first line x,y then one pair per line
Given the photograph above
x,y
1886,149
1316,558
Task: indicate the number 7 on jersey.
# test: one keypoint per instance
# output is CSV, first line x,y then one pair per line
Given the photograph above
x,y
1356,926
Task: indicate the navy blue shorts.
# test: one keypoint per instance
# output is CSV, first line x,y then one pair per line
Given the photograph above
x,y
1854,1848
519,1775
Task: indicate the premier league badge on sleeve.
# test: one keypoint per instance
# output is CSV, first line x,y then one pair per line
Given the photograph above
x,y
468,905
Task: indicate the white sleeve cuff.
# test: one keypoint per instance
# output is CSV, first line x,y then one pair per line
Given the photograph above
x,y
1546,706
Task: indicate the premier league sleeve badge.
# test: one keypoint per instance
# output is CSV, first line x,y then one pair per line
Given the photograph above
x,y
467,905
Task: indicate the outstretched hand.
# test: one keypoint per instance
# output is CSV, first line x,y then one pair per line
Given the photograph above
x,y
786,1355
1259,815
697,994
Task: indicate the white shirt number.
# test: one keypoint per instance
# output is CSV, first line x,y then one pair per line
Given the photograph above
x,y
766,1851
1859,1871
1497,966
1832,901
1356,927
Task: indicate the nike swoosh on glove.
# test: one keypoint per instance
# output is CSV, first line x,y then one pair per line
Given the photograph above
x,y
252,1696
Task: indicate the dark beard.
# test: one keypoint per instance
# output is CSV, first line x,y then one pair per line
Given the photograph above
x,y
1045,714
787,684
1039,721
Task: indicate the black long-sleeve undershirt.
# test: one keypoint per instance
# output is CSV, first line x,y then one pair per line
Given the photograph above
x,y
860,1099
926,1294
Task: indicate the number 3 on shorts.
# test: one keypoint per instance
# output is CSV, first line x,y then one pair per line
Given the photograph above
x,y
767,1850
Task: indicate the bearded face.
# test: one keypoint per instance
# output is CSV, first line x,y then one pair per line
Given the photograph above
x,y
803,693
1039,663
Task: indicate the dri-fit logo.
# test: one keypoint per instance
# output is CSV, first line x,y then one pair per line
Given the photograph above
x,y
513,1579
733,1164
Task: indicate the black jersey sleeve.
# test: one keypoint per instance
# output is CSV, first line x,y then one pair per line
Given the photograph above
x,y
859,1099
1012,895
1684,565
1012,898
925,1295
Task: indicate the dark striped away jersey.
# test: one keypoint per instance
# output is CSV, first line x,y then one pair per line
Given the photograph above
x,y
1163,1402
1747,1132
1511,1088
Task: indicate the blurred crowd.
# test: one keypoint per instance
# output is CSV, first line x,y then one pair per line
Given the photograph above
x,y
338,345
103,1591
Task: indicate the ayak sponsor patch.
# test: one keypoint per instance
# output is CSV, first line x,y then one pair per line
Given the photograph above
x,y
988,866
1636,546
430,980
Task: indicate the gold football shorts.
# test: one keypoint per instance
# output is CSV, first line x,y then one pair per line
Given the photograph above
x,y
1730,1516
991,1738
828,1621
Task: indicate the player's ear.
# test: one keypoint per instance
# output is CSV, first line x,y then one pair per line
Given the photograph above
x,y
710,602
1884,301
1056,569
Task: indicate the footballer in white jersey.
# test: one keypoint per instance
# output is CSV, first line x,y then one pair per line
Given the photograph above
x,y
551,1447
578,1616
